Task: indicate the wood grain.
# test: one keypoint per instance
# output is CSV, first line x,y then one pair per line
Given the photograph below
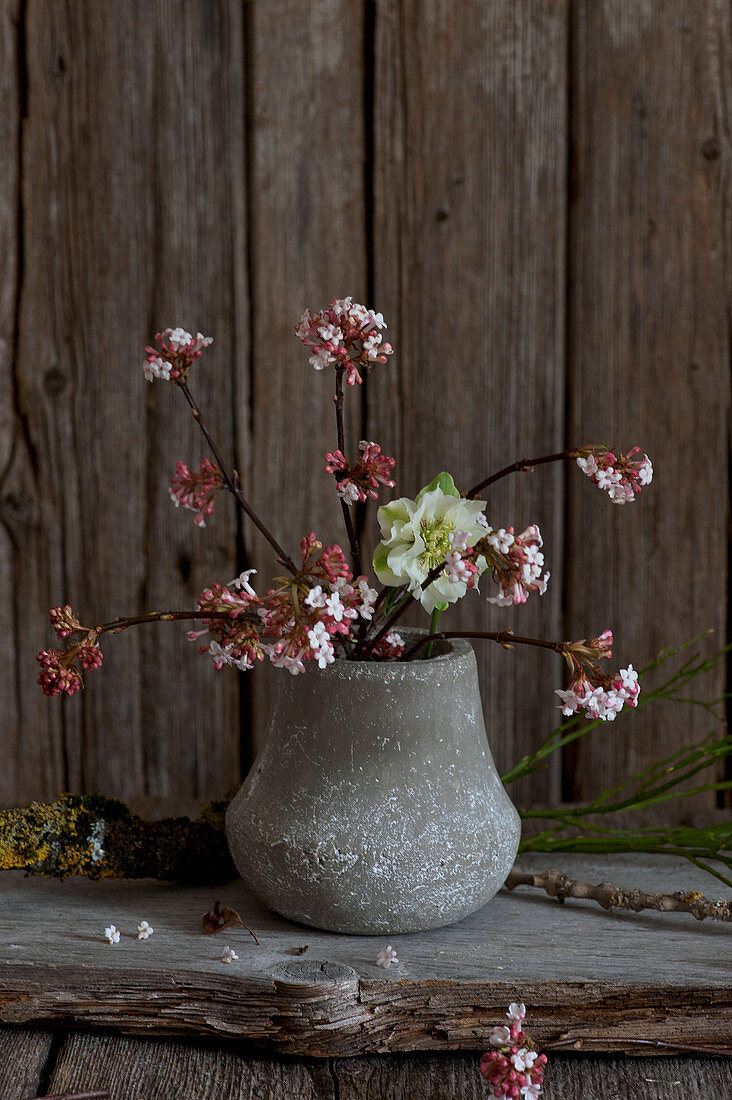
x,y
140,1069
605,979
307,246
165,1069
11,428
649,348
536,195
122,236
195,265
469,234
457,1077
24,1055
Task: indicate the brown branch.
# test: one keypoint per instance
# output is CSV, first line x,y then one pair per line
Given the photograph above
x,y
231,483
97,1094
523,465
121,623
505,638
575,1042
350,530
559,885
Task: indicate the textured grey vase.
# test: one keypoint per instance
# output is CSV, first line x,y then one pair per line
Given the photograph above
x,y
375,806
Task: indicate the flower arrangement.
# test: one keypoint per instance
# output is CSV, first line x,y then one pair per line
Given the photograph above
x,y
434,549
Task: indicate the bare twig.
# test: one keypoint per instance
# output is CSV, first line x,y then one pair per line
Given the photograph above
x,y
523,465
232,484
350,530
97,1094
116,626
560,886
505,638
575,1042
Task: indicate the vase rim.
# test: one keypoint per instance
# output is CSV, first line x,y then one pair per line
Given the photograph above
x,y
448,650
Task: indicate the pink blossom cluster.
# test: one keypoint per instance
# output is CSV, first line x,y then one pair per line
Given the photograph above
x,y
196,490
346,335
459,563
175,352
515,563
60,673
599,695
361,482
513,1068
303,619
232,628
602,700
621,476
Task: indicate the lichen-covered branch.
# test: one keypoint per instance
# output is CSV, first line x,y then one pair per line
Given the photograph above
x,y
560,886
98,837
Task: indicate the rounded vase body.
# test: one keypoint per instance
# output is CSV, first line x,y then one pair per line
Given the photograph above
x,y
375,806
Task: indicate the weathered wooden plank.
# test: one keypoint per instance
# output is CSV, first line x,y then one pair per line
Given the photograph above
x,y
307,246
447,1076
123,233
649,344
139,1069
196,278
469,226
23,1058
11,428
166,1069
603,1078
605,979
453,1076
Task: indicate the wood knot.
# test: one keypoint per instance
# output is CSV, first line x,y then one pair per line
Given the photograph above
x,y
55,382
710,149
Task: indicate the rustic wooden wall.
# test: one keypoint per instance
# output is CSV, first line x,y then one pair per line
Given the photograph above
x,y
537,195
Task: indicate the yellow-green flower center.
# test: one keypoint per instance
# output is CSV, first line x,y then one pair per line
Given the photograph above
x,y
436,538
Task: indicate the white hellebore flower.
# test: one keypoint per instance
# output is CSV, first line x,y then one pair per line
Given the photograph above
x,y
228,955
144,931
112,934
416,537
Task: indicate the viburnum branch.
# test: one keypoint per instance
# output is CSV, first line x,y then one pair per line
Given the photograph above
x,y
116,626
622,476
350,530
524,465
505,638
560,886
231,482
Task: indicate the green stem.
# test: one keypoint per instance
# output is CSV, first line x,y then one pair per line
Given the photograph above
x,y
433,630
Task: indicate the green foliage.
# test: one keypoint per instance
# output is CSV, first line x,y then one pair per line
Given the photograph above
x,y
577,830
443,481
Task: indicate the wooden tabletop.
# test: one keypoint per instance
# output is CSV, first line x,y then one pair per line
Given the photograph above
x,y
609,980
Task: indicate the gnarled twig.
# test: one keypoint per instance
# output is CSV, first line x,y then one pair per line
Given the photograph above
x,y
560,886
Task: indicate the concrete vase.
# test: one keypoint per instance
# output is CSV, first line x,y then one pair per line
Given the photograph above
x,y
375,807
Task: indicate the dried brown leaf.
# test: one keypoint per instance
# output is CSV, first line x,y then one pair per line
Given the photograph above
x,y
220,917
